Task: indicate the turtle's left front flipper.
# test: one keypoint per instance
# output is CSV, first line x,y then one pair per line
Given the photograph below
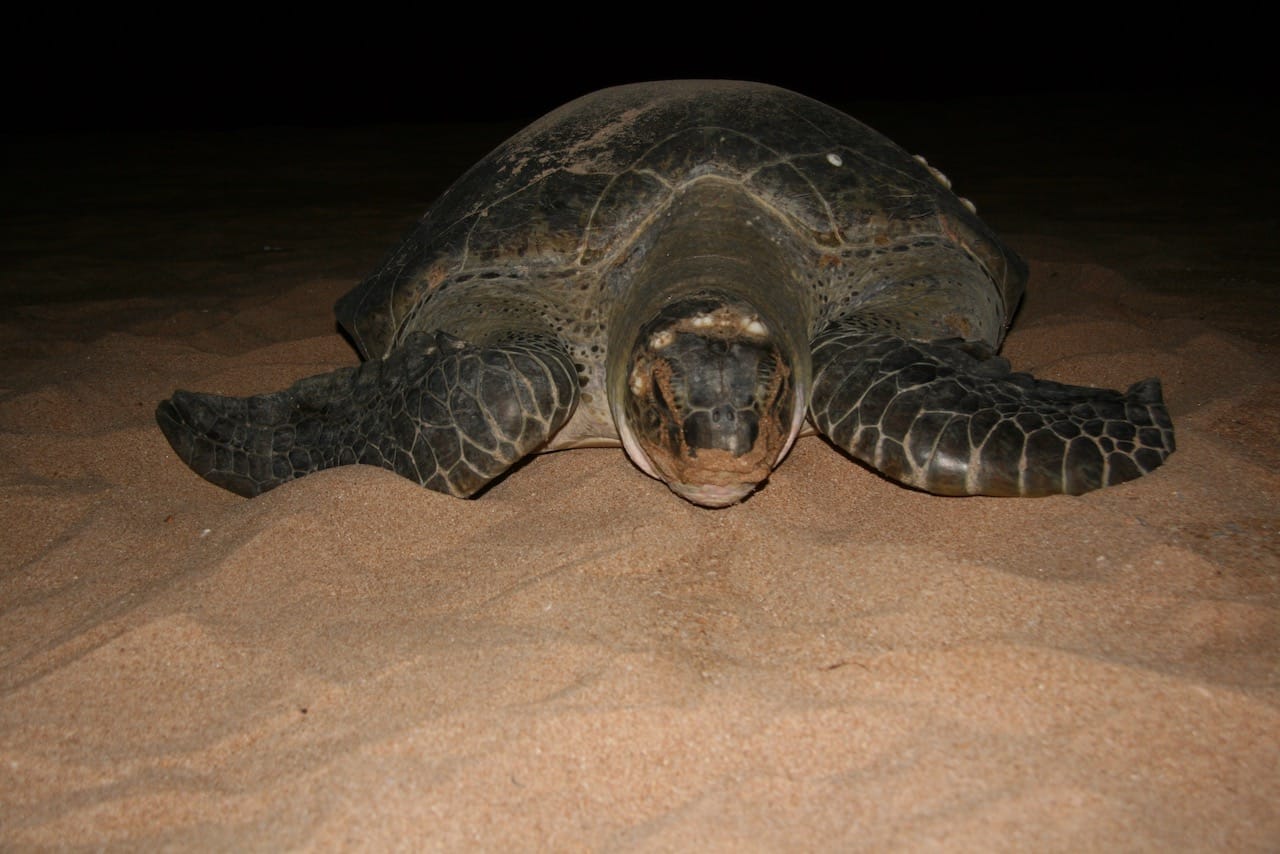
x,y
438,411
949,417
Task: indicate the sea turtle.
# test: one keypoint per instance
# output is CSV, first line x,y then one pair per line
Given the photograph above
x,y
689,269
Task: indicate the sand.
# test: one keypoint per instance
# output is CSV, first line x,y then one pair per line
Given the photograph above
x,y
580,660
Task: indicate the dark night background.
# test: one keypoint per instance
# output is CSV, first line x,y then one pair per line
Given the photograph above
x,y
225,68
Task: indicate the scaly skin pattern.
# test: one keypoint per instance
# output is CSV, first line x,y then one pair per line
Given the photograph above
x,y
940,417
447,415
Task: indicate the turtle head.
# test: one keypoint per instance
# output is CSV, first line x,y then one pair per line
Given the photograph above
x,y
710,403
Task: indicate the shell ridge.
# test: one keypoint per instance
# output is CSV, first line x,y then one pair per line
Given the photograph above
x,y
590,224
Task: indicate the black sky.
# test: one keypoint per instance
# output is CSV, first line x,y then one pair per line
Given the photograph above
x,y
241,70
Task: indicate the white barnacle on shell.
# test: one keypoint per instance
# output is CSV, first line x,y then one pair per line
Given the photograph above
x,y
701,320
934,171
661,339
755,328
973,209
835,159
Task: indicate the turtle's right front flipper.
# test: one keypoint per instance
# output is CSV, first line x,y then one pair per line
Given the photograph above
x,y
440,412
950,418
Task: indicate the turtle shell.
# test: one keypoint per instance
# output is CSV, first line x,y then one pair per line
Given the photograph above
x,y
555,216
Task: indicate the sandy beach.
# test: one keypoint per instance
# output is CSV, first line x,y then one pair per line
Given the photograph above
x,y
579,660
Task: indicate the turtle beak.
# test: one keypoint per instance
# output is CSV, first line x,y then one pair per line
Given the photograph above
x,y
711,495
